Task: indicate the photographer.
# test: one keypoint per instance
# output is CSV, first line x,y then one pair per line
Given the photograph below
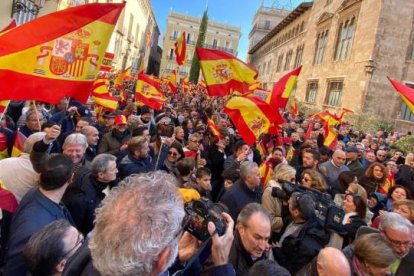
x,y
303,238
145,234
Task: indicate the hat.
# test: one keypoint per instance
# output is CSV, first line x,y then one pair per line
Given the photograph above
x,y
287,140
120,120
108,114
351,149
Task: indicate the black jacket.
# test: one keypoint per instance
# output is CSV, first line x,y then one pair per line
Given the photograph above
x,y
82,201
239,257
238,196
348,231
298,251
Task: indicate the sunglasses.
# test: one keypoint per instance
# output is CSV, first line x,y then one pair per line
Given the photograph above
x,y
172,153
306,179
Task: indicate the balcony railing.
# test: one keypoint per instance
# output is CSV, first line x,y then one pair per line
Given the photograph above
x,y
228,50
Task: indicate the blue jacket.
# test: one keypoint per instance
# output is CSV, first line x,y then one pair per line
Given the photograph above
x,y
34,212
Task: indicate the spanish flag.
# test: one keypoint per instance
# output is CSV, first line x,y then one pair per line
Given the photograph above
x,y
265,171
406,93
329,122
213,128
11,25
106,101
56,55
252,117
282,89
180,49
294,108
172,82
119,81
18,144
224,73
149,92
3,105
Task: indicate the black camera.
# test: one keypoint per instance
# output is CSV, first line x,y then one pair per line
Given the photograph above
x,y
199,213
326,211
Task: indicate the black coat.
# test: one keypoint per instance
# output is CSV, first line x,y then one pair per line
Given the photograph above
x,y
348,231
238,196
82,201
298,251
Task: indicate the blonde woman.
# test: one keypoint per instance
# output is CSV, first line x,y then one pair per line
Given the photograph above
x,y
313,179
273,205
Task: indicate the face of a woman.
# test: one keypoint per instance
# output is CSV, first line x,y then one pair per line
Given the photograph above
x,y
189,124
348,204
180,134
376,271
307,180
173,155
398,194
404,211
377,172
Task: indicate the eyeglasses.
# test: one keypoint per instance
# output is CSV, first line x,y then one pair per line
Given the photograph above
x,y
172,153
79,242
396,243
306,179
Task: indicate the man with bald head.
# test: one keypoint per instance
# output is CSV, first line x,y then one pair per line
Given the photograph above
x,y
330,261
332,168
92,138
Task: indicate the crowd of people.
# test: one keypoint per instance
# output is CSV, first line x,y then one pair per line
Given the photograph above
x,y
103,193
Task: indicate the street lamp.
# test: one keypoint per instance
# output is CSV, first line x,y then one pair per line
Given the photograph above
x,y
21,6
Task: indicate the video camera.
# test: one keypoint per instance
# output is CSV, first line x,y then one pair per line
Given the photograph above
x,y
200,213
326,211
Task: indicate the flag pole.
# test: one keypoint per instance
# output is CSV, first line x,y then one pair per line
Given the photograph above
x,y
37,114
158,157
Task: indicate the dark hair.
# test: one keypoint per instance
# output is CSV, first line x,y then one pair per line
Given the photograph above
x,y
360,205
267,268
325,151
47,124
179,148
232,175
201,172
185,166
45,248
139,131
393,188
315,153
278,149
346,178
238,145
57,171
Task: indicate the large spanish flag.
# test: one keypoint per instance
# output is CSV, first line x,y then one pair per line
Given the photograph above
x,y
283,88
406,93
252,117
180,49
56,55
148,92
224,73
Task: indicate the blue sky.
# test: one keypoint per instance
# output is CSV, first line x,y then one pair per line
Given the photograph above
x,y
238,13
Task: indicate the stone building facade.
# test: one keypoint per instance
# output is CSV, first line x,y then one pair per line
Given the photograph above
x,y
347,49
219,36
265,19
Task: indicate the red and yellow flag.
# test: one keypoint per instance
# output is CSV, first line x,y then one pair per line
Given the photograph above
x,y
329,122
213,128
18,144
224,73
3,105
11,25
172,82
149,92
252,117
56,55
265,172
294,109
180,49
406,93
119,81
282,89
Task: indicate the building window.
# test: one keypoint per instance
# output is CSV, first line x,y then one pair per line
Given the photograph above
x,y
267,24
311,92
334,94
188,40
279,63
171,55
269,64
214,43
346,33
175,35
320,47
288,59
299,54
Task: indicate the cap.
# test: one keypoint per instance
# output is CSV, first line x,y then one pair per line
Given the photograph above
x,y
120,120
108,114
351,149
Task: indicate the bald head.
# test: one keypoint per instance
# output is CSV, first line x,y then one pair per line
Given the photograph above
x,y
339,157
92,135
332,261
